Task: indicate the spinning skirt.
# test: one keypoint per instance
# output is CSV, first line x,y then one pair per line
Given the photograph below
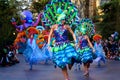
x,y
85,54
63,54
100,56
33,56
46,52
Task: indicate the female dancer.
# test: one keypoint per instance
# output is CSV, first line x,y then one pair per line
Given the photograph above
x,y
99,49
85,51
32,52
63,51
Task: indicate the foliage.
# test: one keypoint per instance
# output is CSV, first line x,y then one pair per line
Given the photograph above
x,y
7,10
39,6
111,17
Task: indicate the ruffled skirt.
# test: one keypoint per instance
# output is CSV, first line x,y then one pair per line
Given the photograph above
x,y
85,54
63,54
100,56
46,52
33,56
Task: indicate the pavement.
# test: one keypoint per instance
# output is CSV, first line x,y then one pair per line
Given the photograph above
x,y
20,71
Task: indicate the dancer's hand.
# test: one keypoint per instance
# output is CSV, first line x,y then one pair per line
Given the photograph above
x,y
75,44
93,50
49,48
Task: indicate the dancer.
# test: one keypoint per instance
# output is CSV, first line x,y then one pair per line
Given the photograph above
x,y
99,49
85,45
32,52
85,49
63,51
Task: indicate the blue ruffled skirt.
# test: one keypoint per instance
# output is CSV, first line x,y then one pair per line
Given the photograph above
x,y
100,56
33,56
46,52
64,54
85,54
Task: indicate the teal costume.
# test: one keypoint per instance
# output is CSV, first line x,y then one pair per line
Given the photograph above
x,y
84,50
63,51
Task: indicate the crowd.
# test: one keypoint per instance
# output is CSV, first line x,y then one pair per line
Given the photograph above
x,y
111,48
8,56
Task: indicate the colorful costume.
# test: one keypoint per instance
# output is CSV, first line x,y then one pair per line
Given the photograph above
x,y
85,26
99,49
57,8
32,53
63,51
84,50
100,53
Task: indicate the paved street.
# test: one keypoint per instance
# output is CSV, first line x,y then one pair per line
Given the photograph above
x,y
110,71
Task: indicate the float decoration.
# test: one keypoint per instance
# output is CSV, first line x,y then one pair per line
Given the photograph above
x,y
26,20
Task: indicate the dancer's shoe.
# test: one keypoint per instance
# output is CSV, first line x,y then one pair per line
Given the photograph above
x,y
86,74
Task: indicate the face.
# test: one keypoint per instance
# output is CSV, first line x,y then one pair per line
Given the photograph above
x,y
63,21
31,36
98,41
80,34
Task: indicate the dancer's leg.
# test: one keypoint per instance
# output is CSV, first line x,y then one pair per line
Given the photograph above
x,y
103,59
76,67
70,66
98,59
86,69
65,73
99,63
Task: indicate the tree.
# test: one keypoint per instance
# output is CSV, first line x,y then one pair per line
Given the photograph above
x,y
7,10
83,7
39,6
87,8
111,18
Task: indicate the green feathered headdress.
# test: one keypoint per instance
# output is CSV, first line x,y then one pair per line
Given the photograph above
x,y
60,15
85,26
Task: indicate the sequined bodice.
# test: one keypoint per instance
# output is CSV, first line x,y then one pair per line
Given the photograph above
x,y
83,42
61,36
